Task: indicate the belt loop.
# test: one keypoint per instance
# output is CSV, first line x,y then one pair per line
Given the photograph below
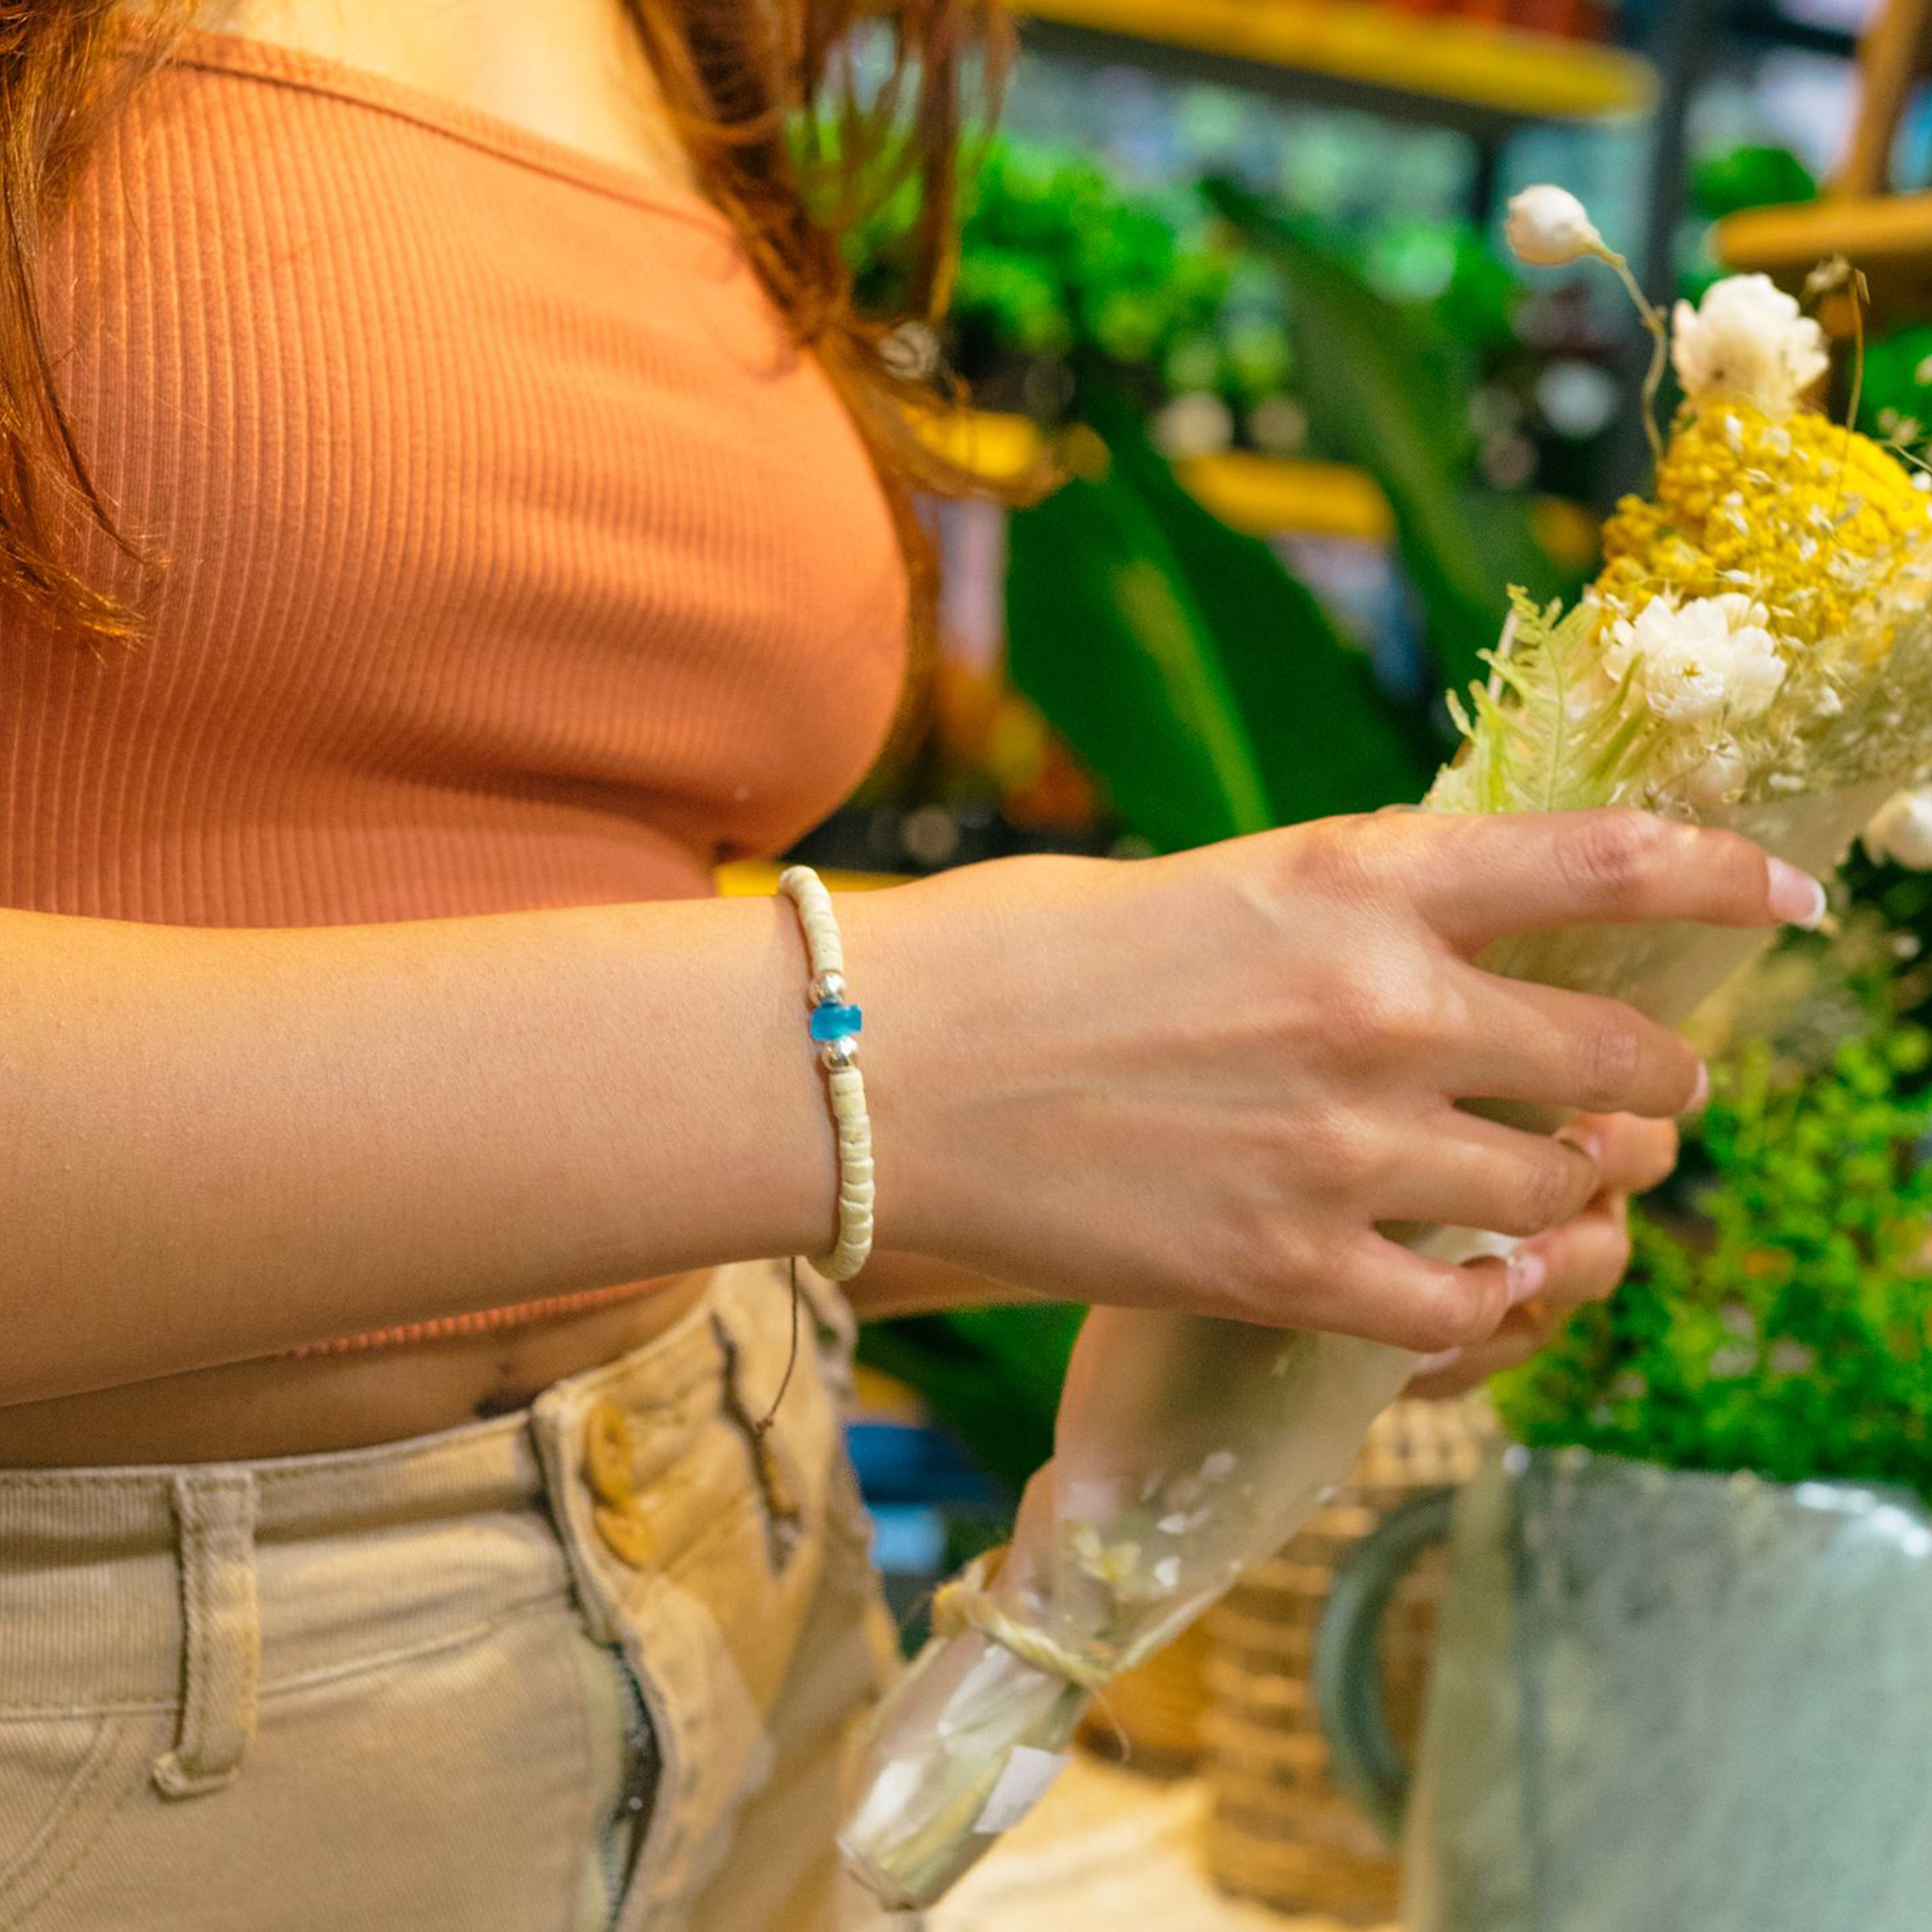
x,y
221,1633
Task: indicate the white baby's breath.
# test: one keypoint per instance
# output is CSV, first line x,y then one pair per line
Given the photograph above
x,y
1747,338
1547,226
1717,779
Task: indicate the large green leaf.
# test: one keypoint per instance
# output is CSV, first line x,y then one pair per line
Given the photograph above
x,y
1205,687
990,1376
1105,635
1327,739
1385,386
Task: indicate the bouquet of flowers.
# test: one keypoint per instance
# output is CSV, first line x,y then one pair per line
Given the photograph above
x,y
1757,652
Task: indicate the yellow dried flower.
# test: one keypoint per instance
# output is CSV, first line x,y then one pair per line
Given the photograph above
x,y
1805,516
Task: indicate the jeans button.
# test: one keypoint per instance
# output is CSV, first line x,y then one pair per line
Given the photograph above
x,y
608,1455
627,1534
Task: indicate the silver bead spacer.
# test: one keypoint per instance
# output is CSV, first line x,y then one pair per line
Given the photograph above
x,y
835,1055
828,989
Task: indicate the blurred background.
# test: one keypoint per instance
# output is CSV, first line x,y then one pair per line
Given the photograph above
x,y
1234,269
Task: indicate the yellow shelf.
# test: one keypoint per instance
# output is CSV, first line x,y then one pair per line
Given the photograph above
x,y
1412,59
1889,236
750,878
1264,496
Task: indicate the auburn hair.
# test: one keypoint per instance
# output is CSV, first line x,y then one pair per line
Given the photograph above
x,y
785,136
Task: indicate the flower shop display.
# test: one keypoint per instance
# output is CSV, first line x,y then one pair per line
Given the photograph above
x,y
1757,652
1698,1603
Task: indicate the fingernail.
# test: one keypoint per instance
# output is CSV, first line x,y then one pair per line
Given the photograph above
x,y
1796,897
1700,1094
1527,1271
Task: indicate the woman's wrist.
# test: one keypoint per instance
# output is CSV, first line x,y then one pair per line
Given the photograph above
x,y
939,1008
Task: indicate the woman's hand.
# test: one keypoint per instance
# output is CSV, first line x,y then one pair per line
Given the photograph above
x,y
1210,1082
1584,1260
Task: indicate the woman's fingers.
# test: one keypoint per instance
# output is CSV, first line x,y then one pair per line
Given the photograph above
x,y
1584,1262
1573,1050
1480,878
1385,1292
1456,1371
1465,1172
1634,1155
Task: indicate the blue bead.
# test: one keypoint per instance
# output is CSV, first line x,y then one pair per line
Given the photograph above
x,y
836,1022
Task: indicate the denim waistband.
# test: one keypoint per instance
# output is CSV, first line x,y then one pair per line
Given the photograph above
x,y
114,1581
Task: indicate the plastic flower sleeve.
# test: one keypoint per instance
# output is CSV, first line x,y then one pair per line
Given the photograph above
x,y
1173,1471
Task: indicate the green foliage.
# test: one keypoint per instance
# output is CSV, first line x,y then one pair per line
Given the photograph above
x,y
1782,1326
1391,392
1055,256
1057,260
1207,688
1104,634
1065,266
992,1376
1749,176
1527,752
1895,393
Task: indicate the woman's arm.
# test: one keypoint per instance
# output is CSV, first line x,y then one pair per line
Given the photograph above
x,y
215,1144
894,1284
1197,1082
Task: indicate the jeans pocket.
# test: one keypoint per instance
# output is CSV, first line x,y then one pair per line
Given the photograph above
x,y
61,1779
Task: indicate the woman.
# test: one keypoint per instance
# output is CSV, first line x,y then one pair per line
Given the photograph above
x,y
428,550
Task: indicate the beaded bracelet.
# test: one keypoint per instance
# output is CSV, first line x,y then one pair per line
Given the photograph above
x,y
835,1024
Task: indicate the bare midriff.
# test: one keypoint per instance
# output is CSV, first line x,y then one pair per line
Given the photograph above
x,y
344,1400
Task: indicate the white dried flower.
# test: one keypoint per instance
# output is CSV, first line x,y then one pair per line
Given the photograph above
x,y
1718,778
1900,830
1547,226
1747,338
1696,660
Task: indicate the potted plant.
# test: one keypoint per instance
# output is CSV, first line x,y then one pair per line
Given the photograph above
x,y
1684,1676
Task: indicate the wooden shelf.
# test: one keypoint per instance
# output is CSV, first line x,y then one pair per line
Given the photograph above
x,y
1264,496
1889,236
1439,67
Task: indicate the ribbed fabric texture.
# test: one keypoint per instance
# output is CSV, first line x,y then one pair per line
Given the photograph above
x,y
518,559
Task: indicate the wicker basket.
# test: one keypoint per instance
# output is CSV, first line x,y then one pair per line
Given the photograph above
x,y
1278,1831
1150,1718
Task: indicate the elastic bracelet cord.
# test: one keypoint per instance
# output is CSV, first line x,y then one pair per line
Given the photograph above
x,y
835,1024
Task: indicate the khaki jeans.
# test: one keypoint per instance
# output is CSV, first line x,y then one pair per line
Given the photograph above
x,y
593,1664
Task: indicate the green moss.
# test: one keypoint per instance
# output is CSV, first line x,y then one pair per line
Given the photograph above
x,y
1775,1317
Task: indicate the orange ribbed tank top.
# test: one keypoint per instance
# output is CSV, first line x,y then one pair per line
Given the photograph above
x,y
519,559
